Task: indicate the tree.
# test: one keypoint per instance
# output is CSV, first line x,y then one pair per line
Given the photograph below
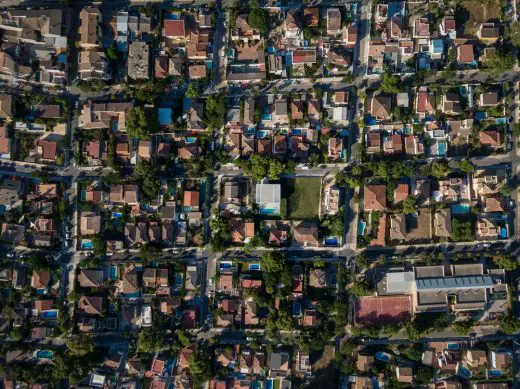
x,y
149,252
99,245
112,54
412,331
259,19
200,368
462,229
424,374
440,168
510,325
273,262
499,62
139,124
463,328
409,205
505,262
275,168
506,190
513,33
151,340
193,91
80,345
360,289
215,111
146,174
466,166
390,83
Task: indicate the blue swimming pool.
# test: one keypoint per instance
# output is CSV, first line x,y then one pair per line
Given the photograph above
x,y
50,314
297,308
190,139
501,120
297,131
83,195
267,211
87,244
382,356
131,295
261,134
112,272
503,233
179,278
44,354
117,215
249,131
269,384
254,266
494,374
362,225
266,117
453,346
464,372
332,241
460,209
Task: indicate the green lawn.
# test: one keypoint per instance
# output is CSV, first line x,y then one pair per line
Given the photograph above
x,y
301,198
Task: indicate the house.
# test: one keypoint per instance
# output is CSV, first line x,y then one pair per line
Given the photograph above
x,y
413,145
404,374
93,65
486,182
397,227
488,33
226,283
110,116
48,191
292,23
12,233
310,318
174,30
149,277
452,189
90,223
333,21
393,144
318,278
381,106
494,203
197,71
278,364
268,198
243,31
144,150
490,139
195,116
90,305
306,234
451,103
40,279
373,142
465,54
335,149
192,280
90,278
401,192
90,28
501,361
169,305
251,311
47,150
242,231
489,99
425,103
191,201
374,197
138,61
442,223
311,16
364,362
476,359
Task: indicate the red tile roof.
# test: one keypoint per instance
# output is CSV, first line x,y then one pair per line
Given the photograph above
x,y
174,28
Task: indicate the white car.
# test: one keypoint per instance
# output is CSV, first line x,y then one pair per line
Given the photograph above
x,y
210,282
486,245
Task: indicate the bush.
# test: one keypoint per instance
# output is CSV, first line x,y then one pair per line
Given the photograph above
x,y
259,19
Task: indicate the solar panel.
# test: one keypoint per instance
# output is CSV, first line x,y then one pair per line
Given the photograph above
x,y
466,282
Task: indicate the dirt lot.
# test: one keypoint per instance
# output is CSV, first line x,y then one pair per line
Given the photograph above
x,y
470,14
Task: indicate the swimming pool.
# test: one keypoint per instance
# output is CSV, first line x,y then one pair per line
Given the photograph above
x,y
87,244
179,278
41,291
266,117
117,215
190,139
453,346
267,211
44,354
249,131
297,131
296,308
269,384
494,374
464,372
254,266
112,272
362,225
226,264
332,241
131,295
460,209
261,134
382,356
83,195
51,314
501,121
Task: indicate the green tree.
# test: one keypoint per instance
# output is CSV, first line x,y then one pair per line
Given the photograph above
x,y
412,331
466,166
151,340
510,325
140,124
99,245
200,368
513,33
360,289
424,374
259,19
440,168
462,229
498,62
193,91
410,205
150,251
145,173
275,168
506,190
215,111
463,328
80,345
505,261
390,83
